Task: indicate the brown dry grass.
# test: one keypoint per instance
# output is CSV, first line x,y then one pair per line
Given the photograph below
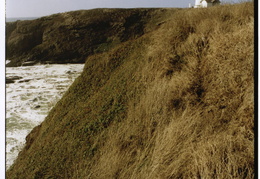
x,y
182,105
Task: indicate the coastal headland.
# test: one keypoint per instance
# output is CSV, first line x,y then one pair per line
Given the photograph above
x,y
165,93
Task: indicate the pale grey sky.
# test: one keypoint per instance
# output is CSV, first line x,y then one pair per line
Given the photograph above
x,y
38,8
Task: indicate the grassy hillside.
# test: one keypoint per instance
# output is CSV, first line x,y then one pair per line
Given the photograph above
x,y
176,102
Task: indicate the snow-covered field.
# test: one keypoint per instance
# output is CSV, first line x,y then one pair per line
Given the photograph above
x,y
34,91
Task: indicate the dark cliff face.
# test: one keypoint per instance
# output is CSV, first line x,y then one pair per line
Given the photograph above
x,y
71,37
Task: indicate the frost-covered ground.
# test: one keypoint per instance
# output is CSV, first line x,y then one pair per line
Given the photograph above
x,y
34,92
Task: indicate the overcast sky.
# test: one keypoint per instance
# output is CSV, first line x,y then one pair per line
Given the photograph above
x,y
38,8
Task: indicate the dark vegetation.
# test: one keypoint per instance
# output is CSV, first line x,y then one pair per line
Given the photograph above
x,y
174,100
73,36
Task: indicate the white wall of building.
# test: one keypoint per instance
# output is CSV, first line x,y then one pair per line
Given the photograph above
x,y
204,4
197,4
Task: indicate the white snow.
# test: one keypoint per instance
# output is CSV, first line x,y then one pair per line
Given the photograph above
x,y
30,98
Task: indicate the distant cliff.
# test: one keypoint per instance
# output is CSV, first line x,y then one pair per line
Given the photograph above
x,y
174,100
73,36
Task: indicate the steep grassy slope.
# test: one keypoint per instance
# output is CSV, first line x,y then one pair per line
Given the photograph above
x,y
71,37
176,102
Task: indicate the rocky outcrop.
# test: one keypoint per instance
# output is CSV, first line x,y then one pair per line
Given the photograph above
x,y
71,37
12,79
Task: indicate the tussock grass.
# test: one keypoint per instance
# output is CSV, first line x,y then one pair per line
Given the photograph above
x,y
175,103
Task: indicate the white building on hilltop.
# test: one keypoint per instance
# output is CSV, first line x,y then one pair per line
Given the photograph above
x,y
206,3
